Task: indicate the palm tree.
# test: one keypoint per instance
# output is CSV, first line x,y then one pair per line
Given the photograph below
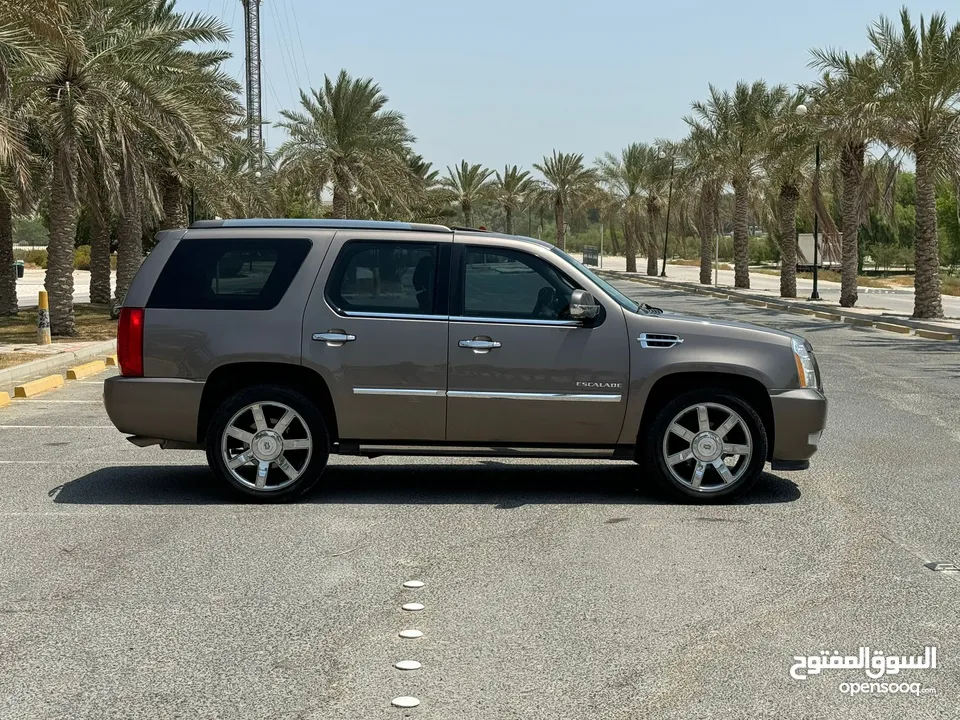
x,y
844,113
917,71
740,123
512,190
655,181
623,177
701,170
467,184
569,183
344,136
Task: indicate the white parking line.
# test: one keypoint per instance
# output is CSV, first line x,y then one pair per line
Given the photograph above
x,y
56,427
41,401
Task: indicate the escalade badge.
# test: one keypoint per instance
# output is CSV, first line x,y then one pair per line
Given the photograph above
x,y
598,384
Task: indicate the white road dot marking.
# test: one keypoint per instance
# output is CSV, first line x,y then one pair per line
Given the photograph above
x,y
411,634
408,665
405,702
413,584
413,606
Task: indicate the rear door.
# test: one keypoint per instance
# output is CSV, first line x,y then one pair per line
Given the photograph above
x,y
375,328
521,371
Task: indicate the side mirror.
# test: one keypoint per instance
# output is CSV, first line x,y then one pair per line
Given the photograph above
x,y
583,306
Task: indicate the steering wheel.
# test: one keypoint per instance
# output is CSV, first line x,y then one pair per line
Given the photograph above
x,y
545,308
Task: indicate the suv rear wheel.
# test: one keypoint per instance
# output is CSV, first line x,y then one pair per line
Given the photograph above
x,y
268,442
707,445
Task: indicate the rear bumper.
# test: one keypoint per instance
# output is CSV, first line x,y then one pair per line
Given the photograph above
x,y
799,417
164,408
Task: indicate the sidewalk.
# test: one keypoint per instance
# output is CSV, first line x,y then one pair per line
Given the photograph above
x,y
873,315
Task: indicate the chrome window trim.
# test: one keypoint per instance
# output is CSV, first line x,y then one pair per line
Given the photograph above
x,y
563,397
386,316
398,391
516,321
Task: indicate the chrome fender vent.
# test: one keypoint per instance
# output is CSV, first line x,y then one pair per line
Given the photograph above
x,y
655,340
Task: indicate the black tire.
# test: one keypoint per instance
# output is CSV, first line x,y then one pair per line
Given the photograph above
x,y
313,461
713,489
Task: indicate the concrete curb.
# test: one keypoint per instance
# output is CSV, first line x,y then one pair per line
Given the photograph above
x,y
54,363
902,327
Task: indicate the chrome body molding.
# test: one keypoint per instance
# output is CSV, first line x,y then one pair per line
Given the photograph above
x,y
397,391
491,395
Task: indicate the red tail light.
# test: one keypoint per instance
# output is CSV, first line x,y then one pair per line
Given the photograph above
x,y
130,342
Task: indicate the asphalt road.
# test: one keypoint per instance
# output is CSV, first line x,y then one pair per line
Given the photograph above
x,y
133,588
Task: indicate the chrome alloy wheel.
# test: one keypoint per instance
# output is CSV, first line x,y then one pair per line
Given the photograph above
x,y
266,446
707,447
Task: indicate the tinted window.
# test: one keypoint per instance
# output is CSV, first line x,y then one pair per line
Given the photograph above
x,y
225,274
385,277
501,283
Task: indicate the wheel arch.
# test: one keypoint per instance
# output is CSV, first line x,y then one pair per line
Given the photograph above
x,y
225,380
673,384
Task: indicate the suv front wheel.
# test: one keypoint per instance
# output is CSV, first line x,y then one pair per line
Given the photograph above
x,y
268,443
707,445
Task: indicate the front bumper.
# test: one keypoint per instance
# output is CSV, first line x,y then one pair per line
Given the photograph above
x,y
162,408
799,418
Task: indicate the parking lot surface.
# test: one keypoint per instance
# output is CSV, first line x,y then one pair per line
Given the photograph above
x,y
133,587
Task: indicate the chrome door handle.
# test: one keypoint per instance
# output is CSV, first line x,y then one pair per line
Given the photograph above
x,y
479,345
334,338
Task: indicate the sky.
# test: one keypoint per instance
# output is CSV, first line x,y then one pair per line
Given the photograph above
x,y
500,82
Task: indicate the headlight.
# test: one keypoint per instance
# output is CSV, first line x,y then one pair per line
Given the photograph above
x,y
806,369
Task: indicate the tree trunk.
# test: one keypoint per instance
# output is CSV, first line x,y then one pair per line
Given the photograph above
x,y
60,249
509,220
705,230
130,241
173,214
467,208
8,283
851,168
561,228
340,198
652,244
741,237
789,195
99,251
928,302
630,241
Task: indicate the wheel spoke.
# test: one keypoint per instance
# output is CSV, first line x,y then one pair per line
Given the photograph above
x,y
698,474
241,435
702,417
258,417
239,460
262,471
681,431
296,444
290,471
721,467
729,424
680,457
736,449
284,422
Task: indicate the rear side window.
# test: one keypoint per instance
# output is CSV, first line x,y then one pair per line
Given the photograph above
x,y
226,274
385,277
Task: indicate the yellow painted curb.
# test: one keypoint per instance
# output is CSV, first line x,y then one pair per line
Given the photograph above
x,y
4,399
936,335
902,329
858,322
51,382
804,311
828,316
111,360
755,303
85,370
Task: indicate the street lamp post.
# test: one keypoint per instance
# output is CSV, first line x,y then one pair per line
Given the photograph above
x,y
815,295
666,230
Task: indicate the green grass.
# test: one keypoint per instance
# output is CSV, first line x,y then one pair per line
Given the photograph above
x,y
93,323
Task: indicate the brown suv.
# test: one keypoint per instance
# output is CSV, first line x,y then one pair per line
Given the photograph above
x,y
272,343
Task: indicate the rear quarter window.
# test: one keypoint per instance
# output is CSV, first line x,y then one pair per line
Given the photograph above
x,y
228,274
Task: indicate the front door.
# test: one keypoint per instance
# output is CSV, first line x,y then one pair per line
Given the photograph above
x,y
521,371
375,328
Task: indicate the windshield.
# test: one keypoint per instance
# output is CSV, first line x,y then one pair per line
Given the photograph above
x,y
625,302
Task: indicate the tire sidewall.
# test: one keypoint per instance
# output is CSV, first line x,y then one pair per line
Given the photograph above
x,y
311,415
736,402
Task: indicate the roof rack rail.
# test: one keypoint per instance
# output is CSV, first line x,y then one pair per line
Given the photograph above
x,y
318,223
469,229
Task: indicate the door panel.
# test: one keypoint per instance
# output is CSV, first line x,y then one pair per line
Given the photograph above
x,y
381,334
535,378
